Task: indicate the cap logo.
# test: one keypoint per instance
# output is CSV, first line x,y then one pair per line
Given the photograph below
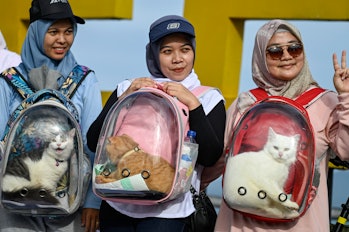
x,y
57,1
172,26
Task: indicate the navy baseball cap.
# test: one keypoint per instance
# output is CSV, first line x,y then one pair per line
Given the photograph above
x,y
168,25
53,10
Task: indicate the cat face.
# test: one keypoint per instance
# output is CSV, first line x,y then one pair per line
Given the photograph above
x,y
61,145
45,128
282,148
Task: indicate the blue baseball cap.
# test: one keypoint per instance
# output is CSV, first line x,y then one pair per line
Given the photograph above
x,y
168,25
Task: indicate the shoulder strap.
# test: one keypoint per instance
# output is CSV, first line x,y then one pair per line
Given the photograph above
x,y
304,99
24,89
17,81
201,90
259,94
74,80
307,97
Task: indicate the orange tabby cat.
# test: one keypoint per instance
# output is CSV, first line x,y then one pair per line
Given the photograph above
x,y
130,160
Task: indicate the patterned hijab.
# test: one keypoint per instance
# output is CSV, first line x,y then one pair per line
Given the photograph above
x,y
261,75
34,57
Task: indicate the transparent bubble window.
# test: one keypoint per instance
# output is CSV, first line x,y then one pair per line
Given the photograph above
x,y
269,170
137,153
41,165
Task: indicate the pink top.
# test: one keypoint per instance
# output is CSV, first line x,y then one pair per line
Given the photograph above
x,y
330,119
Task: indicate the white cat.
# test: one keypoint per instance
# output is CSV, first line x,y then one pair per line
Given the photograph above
x,y
254,181
25,173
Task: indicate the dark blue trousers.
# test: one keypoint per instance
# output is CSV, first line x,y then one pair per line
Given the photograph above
x,y
112,221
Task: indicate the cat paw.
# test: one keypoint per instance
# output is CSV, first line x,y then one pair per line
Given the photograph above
x,y
291,214
291,205
100,179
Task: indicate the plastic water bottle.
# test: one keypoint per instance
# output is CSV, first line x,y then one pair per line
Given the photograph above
x,y
191,135
187,163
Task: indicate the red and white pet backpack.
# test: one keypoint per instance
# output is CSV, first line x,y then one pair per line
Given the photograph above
x,y
271,169
141,157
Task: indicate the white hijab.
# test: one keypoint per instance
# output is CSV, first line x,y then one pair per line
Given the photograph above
x,y
208,101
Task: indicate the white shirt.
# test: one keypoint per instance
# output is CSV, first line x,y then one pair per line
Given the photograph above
x,y
8,59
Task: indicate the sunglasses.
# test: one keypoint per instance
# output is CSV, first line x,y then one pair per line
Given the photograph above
x,y
275,52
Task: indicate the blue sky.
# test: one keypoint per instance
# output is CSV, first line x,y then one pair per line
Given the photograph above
x,y
115,49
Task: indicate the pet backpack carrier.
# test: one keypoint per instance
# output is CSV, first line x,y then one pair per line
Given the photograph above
x,y
271,169
43,166
141,157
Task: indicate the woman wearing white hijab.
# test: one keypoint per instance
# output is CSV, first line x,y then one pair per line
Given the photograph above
x,y
279,66
7,57
170,59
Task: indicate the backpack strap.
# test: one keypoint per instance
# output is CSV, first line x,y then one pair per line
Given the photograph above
x,y
201,90
24,89
18,82
74,80
305,99
259,93
310,96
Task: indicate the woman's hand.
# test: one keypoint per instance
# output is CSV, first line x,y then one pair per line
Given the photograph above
x,y
90,219
139,83
183,94
341,74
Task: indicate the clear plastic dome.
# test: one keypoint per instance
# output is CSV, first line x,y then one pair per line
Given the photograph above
x,y
270,164
41,166
139,148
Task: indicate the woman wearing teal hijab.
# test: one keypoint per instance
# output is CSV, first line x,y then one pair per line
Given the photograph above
x,y
46,63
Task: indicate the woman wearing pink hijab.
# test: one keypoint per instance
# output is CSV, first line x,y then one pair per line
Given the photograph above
x,y
279,66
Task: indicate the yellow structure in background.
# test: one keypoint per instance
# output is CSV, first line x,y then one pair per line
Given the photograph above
x,y
14,17
219,28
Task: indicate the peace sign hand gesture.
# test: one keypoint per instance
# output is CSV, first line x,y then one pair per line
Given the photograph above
x,y
341,74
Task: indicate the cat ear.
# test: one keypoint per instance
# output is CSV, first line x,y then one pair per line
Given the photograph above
x,y
297,137
271,132
129,140
72,132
